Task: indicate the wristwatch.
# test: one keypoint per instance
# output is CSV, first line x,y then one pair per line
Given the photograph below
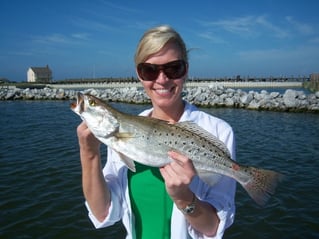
x,y
190,208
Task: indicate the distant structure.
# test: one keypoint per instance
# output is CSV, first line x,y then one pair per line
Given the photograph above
x,y
314,82
39,74
314,77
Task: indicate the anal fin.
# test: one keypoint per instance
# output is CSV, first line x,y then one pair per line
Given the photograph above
x,y
209,177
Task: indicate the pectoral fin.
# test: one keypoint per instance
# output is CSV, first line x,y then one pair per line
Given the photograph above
x,y
124,135
128,162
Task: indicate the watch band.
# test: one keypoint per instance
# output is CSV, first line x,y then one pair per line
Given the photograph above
x,y
190,208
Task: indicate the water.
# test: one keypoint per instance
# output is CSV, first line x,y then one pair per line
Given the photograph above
x,y
40,173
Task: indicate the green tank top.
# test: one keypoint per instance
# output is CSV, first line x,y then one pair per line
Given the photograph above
x,y
151,205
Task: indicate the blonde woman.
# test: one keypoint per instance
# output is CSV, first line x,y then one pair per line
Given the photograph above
x,y
170,202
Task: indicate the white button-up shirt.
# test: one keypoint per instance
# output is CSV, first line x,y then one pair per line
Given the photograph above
x,y
221,195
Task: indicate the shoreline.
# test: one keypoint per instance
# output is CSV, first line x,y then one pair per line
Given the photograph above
x,y
202,94
227,84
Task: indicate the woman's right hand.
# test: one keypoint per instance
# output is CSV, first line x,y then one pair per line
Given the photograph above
x,y
87,141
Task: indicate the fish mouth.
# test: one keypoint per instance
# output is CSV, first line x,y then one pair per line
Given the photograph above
x,y
78,106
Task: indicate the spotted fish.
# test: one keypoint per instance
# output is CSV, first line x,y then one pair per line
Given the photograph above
x,y
147,141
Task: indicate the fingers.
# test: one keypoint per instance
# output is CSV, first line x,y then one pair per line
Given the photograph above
x,y
82,129
180,171
178,175
86,139
181,160
82,126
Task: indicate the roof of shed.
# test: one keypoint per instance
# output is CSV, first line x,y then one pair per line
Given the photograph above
x,y
41,70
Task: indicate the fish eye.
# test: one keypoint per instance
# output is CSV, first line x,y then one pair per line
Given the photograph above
x,y
92,102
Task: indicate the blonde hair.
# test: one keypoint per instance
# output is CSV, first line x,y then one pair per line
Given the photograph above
x,y
155,39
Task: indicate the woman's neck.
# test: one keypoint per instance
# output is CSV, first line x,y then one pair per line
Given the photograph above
x,y
172,114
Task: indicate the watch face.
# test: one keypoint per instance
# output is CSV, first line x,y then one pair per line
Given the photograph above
x,y
189,209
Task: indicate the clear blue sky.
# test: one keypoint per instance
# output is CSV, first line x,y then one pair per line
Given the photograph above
x,y
97,38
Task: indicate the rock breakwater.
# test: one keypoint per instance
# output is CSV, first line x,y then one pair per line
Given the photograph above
x,y
212,96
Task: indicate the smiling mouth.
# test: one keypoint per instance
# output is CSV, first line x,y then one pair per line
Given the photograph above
x,y
165,90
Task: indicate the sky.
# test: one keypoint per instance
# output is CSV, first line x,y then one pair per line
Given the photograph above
x,y
98,38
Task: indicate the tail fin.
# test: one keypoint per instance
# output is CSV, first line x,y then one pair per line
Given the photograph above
x,y
261,184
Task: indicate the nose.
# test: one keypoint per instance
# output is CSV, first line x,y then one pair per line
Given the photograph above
x,y
162,78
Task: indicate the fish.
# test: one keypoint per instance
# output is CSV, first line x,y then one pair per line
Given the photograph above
x,y
148,140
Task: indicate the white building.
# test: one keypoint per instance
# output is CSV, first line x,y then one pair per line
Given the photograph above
x,y
39,74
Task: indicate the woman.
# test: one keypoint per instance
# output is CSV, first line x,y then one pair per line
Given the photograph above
x,y
170,202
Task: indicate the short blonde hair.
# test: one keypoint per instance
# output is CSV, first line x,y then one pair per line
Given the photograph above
x,y
155,39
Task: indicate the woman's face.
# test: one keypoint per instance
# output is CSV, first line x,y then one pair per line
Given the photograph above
x,y
165,92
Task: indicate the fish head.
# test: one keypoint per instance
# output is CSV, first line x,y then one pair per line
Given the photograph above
x,y
96,115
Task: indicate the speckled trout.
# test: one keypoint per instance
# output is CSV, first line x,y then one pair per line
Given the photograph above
x,y
147,141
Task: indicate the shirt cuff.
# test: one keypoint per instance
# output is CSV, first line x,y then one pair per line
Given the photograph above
x,y
114,215
223,217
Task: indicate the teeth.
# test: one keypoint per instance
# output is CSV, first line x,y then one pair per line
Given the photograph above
x,y
162,90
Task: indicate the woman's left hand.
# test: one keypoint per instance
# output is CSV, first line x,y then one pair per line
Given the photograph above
x,y
177,176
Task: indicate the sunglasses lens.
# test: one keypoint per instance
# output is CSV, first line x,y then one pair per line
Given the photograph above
x,y
173,70
148,72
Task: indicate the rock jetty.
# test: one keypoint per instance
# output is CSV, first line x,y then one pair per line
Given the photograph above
x,y
211,96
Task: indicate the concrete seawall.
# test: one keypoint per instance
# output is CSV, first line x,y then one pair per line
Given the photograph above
x,y
205,95
227,84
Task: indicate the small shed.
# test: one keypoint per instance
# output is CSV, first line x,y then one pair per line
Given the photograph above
x,y
39,74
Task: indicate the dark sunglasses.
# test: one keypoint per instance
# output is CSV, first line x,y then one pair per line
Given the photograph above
x,y
173,70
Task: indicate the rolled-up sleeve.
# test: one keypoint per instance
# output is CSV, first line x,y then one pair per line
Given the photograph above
x,y
114,184
115,209
221,197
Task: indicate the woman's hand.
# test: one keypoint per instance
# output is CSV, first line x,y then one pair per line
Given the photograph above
x,y
177,176
87,141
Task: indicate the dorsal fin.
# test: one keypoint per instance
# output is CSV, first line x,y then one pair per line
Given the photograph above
x,y
196,129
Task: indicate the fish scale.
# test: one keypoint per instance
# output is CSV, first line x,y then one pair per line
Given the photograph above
x,y
147,141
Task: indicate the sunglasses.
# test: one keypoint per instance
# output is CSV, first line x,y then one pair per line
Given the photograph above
x,y
173,70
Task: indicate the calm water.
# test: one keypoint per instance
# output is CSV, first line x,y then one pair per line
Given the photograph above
x,y
40,174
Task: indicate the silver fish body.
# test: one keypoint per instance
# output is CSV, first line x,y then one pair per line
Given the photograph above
x,y
147,141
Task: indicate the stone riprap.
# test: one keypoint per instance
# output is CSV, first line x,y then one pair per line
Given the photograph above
x,y
212,96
